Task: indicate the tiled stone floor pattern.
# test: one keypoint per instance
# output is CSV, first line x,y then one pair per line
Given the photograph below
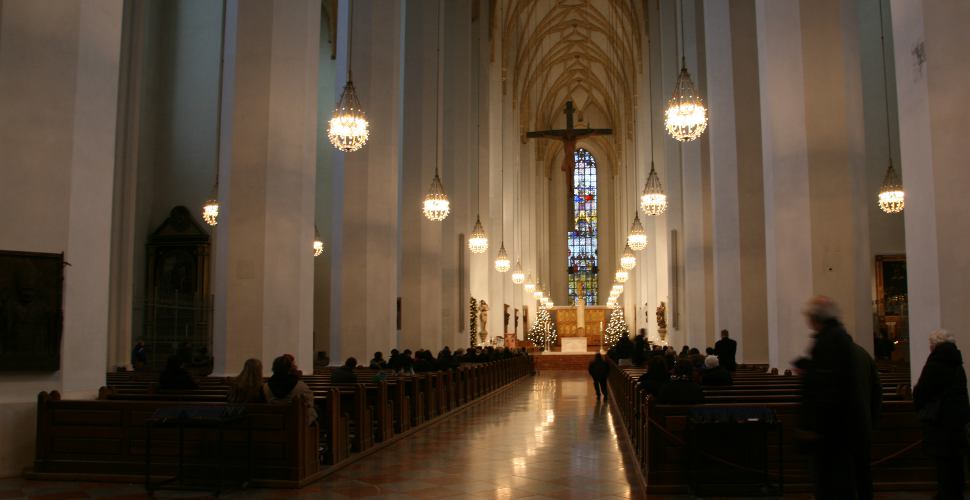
x,y
545,437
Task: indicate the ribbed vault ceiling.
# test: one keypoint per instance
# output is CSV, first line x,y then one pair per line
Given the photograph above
x,y
587,51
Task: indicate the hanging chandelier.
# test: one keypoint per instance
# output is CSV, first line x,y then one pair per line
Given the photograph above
x,y
478,240
891,196
628,260
637,239
436,204
502,262
529,285
348,129
317,242
210,211
653,201
622,275
538,291
686,116
518,275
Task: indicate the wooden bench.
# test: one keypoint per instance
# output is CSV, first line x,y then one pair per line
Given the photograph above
x,y
104,437
657,433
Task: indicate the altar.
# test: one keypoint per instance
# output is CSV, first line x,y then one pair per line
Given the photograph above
x,y
595,318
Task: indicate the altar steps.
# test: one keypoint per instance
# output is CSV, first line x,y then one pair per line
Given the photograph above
x,y
557,361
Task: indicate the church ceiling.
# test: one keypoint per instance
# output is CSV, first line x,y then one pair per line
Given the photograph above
x,y
587,51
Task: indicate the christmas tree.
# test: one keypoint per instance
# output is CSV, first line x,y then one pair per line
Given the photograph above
x,y
542,328
472,322
615,329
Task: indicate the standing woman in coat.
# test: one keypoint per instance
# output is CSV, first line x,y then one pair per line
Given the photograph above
x,y
941,400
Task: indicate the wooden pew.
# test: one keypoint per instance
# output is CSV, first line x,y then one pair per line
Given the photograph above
x,y
104,437
657,433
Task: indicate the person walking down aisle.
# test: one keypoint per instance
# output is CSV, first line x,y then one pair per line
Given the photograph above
x,y
940,397
840,399
599,370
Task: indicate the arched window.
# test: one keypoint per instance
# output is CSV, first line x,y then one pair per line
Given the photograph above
x,y
583,258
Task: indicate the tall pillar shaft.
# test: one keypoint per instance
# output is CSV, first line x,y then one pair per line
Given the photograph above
x,y
421,239
786,181
723,157
931,72
365,269
264,260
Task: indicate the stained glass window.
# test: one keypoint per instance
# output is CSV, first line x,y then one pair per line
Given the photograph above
x,y
583,258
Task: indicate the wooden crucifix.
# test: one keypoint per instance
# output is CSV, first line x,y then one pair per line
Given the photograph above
x,y
568,136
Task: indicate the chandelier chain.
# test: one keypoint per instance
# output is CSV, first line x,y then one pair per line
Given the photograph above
x,y
885,80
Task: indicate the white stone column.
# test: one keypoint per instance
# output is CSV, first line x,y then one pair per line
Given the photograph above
x,y
366,199
421,239
458,150
931,74
59,73
840,197
86,284
786,180
753,337
723,158
264,261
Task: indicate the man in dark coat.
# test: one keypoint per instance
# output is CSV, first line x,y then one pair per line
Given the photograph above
x,y
681,390
726,349
840,399
940,397
599,371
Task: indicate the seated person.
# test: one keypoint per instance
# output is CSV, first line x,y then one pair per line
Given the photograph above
x,y
175,377
681,390
285,386
655,377
715,374
248,386
378,362
345,374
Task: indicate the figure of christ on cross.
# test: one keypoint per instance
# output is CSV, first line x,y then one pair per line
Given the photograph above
x,y
568,136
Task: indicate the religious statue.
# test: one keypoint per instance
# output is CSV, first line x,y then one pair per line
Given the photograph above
x,y
505,318
662,322
580,308
483,320
516,321
568,136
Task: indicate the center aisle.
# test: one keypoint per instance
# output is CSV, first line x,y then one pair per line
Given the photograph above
x,y
545,437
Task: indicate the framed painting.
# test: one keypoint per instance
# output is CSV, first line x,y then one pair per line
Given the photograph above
x,y
31,311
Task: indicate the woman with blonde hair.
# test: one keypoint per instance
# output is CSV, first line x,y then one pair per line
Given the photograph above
x,y
247,387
